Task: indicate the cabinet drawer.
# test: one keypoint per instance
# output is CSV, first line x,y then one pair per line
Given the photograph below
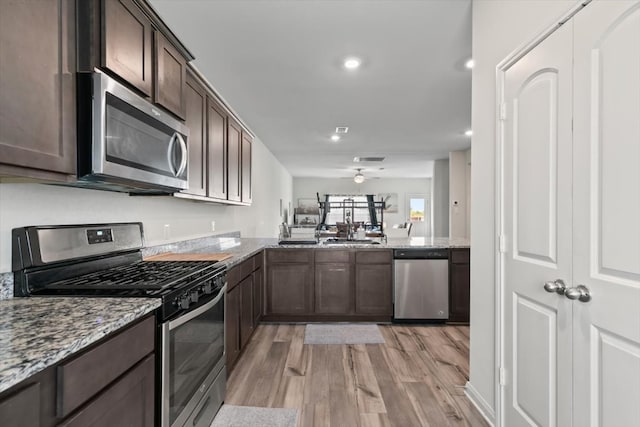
x,y
460,256
82,377
289,255
258,260
374,256
246,268
128,402
332,255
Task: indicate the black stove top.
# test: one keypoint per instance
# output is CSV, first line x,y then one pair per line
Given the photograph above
x,y
150,278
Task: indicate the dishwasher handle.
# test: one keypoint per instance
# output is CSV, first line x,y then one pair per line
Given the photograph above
x,y
422,253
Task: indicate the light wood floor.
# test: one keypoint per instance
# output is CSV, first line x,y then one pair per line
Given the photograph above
x,y
415,379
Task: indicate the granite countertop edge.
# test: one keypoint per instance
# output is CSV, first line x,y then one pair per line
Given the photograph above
x,y
39,332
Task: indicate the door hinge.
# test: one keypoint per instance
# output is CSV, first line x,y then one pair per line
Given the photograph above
x,y
502,377
503,111
502,244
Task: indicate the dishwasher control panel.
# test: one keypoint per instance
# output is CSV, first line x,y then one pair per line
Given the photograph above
x,y
421,253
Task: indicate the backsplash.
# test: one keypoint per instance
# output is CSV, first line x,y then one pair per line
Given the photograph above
x,y
217,242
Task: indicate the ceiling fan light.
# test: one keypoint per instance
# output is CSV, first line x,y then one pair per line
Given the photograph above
x,y
359,178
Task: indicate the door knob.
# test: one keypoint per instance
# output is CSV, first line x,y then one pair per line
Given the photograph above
x,y
580,292
556,286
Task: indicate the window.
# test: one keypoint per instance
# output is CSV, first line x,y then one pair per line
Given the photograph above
x,y
416,209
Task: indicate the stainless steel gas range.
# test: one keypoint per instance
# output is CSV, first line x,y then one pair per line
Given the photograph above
x,y
106,260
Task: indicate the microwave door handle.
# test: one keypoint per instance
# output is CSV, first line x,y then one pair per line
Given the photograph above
x,y
184,154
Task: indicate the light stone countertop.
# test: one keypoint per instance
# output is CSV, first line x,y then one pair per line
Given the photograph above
x,y
39,332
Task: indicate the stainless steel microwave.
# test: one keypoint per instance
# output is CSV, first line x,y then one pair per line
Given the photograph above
x,y
125,143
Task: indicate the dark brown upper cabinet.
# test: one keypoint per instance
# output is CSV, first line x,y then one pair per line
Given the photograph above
x,y
196,121
217,153
171,71
128,43
127,39
247,142
234,135
38,89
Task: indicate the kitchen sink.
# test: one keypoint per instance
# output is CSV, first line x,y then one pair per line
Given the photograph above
x,y
335,241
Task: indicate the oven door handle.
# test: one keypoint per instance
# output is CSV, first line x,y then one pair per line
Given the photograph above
x,y
197,312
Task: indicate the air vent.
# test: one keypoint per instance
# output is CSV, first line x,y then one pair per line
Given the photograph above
x,y
368,159
342,129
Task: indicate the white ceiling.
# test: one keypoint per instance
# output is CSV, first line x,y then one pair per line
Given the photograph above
x,y
278,63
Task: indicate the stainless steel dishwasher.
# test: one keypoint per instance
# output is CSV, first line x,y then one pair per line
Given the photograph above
x,y
421,284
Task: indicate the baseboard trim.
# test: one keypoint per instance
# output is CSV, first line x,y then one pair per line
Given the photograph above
x,y
480,403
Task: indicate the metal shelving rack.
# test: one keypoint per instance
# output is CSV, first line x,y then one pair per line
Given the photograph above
x,y
348,207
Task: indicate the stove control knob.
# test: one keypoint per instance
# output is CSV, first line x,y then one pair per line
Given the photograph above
x,y
185,301
194,295
208,288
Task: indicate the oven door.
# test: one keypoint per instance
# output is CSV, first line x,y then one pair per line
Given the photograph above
x,y
193,374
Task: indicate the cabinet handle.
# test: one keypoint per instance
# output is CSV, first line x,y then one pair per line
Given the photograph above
x,y
580,292
556,286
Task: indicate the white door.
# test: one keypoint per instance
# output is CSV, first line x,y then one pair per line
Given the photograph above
x,y
607,214
537,214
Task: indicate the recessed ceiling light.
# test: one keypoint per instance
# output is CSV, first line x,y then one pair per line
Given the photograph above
x,y
468,133
335,138
469,64
352,63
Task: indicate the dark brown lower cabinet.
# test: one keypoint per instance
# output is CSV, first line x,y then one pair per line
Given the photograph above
x,y
258,292
459,285
128,402
289,288
110,384
246,310
232,326
334,288
329,285
242,306
373,289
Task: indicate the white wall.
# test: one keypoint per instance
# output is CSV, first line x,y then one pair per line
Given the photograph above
x,y
499,27
308,187
39,204
440,198
459,187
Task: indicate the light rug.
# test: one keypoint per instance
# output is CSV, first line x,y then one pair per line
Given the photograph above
x,y
251,416
343,334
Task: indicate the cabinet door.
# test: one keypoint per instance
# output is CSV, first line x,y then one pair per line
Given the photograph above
x,y
247,142
232,326
258,282
459,278
333,288
171,68
246,310
128,402
373,289
38,88
127,43
195,96
217,150
289,288
234,135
